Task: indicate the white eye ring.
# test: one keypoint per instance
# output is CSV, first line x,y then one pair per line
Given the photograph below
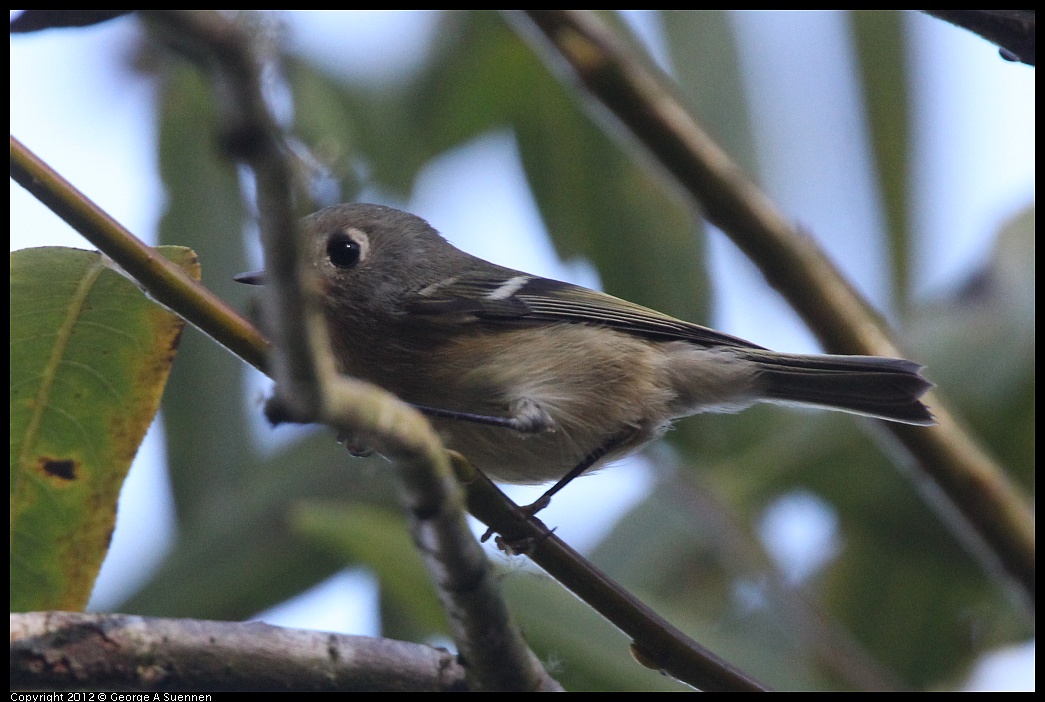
x,y
348,248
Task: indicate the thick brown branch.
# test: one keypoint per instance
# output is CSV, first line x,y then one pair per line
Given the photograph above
x,y
72,651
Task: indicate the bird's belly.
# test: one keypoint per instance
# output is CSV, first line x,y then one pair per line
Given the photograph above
x,y
506,455
597,388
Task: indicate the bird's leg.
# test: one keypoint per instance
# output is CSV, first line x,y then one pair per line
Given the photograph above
x,y
613,443
587,462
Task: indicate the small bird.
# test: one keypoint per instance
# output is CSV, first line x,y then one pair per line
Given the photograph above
x,y
535,380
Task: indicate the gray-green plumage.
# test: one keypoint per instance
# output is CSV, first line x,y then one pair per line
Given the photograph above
x,y
575,371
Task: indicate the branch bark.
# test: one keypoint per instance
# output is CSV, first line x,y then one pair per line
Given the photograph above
x,y
986,510
310,389
73,651
1012,31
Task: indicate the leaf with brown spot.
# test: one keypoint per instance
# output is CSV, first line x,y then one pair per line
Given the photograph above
x,y
64,469
90,355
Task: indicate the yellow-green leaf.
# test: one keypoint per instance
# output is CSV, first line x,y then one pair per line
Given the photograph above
x,y
90,354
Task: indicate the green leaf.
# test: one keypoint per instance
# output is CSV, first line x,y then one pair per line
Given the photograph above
x,y
380,539
232,497
705,58
90,354
879,40
205,211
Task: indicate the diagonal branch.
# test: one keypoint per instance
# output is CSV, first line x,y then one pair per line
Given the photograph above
x,y
310,389
655,642
674,652
166,282
987,511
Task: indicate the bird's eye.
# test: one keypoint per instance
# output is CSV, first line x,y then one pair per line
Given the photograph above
x,y
343,251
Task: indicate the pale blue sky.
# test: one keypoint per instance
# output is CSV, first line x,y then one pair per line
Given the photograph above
x,y
77,107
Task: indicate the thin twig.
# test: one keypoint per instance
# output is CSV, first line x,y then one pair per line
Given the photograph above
x,y
987,511
656,643
489,505
387,418
310,389
167,283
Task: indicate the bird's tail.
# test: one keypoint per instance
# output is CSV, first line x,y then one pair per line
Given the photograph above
x,y
886,388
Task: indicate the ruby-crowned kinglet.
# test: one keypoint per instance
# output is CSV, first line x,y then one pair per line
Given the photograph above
x,y
534,380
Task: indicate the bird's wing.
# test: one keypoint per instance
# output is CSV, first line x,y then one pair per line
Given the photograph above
x,y
525,299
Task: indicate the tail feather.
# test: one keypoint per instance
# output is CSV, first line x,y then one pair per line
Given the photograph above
x,y
886,388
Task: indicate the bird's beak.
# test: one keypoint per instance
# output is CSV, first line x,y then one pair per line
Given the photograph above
x,y
254,278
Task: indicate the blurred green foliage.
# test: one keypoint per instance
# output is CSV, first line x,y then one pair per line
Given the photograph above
x,y
901,603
